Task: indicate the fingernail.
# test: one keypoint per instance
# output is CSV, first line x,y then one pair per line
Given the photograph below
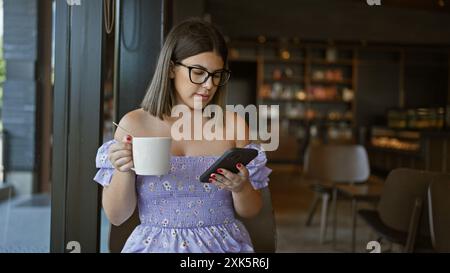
x,y
239,165
210,180
219,171
213,175
128,138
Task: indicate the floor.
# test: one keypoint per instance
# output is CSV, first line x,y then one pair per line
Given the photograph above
x,y
291,199
25,220
25,225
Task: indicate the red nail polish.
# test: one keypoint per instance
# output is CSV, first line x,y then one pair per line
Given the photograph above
x,y
239,165
213,175
128,138
210,180
219,171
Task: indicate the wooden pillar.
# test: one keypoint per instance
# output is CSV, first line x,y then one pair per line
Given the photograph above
x,y
44,105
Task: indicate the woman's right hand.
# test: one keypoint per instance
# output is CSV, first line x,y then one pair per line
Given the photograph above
x,y
121,154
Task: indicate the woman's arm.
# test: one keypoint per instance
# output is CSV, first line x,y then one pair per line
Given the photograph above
x,y
119,198
247,201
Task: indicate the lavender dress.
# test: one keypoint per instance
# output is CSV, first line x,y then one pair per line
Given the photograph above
x,y
180,214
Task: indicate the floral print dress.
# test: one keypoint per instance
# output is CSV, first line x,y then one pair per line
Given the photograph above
x,y
180,214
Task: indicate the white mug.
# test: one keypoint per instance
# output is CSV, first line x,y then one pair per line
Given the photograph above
x,y
151,155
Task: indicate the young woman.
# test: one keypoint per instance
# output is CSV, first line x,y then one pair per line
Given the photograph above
x,y
178,213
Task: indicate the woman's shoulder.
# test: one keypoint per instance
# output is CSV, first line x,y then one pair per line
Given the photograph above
x,y
135,121
133,118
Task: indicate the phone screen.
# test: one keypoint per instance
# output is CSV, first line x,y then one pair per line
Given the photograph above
x,y
229,160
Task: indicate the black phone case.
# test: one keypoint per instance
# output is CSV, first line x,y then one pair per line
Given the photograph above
x,y
229,160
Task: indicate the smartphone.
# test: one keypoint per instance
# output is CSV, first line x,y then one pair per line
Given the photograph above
x,y
229,160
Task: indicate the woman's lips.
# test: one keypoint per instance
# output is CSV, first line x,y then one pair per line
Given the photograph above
x,y
203,97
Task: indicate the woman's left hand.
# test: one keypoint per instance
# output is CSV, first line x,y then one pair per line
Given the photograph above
x,y
225,179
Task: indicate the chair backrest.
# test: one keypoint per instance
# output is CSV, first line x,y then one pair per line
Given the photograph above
x,y
439,214
401,190
118,235
261,228
337,163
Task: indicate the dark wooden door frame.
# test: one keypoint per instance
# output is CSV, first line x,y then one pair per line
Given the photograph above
x,y
76,125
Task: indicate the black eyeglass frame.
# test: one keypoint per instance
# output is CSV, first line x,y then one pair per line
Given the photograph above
x,y
210,74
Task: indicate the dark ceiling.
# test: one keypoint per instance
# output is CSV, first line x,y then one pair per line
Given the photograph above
x,y
431,5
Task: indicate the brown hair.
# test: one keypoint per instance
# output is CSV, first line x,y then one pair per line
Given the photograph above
x,y
189,38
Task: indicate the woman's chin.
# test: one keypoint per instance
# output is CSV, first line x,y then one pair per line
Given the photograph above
x,y
198,103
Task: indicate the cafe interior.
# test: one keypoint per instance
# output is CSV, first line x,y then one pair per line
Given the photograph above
x,y
363,95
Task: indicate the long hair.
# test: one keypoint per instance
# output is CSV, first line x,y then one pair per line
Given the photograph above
x,y
189,38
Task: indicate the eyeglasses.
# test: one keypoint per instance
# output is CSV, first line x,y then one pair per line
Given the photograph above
x,y
200,75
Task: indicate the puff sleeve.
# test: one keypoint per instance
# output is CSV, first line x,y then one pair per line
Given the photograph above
x,y
258,172
106,169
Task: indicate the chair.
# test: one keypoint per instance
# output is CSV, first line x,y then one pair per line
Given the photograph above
x,y
327,165
402,216
439,214
369,192
261,228
118,235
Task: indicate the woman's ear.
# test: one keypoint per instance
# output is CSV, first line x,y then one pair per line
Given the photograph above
x,y
172,70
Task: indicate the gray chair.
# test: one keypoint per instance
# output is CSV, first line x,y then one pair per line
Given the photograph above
x,y
402,215
439,214
262,228
369,192
328,165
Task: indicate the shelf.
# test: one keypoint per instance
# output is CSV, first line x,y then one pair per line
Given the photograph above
x,y
285,80
316,119
306,101
378,62
338,62
416,153
316,81
305,61
288,61
243,59
411,130
331,101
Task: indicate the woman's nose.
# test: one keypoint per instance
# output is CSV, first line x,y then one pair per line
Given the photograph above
x,y
208,84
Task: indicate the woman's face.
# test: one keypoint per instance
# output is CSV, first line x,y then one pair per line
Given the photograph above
x,y
186,91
